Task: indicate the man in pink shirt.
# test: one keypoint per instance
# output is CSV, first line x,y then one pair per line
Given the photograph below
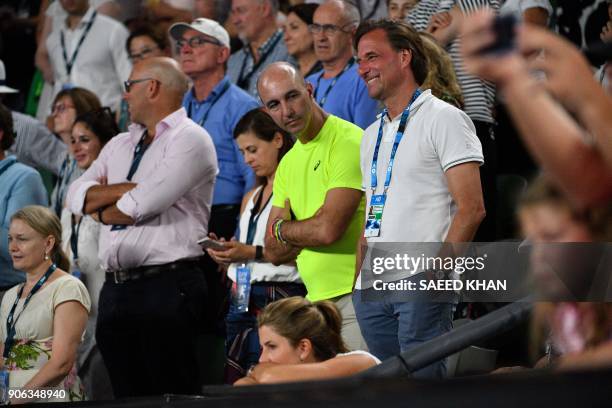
x,y
151,188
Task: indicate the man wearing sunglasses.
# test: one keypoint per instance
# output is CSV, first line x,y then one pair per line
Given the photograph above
x,y
338,88
151,188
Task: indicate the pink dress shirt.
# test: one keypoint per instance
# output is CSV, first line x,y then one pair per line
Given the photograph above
x,y
171,202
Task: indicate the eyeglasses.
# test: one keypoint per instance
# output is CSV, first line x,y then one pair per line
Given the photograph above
x,y
128,84
196,42
329,29
60,108
142,54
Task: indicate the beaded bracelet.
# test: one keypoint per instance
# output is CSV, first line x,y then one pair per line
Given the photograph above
x,y
277,231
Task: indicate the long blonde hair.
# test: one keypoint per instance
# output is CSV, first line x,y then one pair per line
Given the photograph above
x,y
441,78
45,222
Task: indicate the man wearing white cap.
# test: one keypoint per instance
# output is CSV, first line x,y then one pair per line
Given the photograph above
x,y
217,105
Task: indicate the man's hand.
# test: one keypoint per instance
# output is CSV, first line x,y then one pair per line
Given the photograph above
x,y
287,211
275,251
444,26
438,21
476,34
328,224
563,64
464,186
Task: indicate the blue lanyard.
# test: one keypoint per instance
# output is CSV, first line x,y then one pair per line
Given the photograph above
x,y
333,83
212,104
74,236
243,82
255,214
140,150
398,139
11,322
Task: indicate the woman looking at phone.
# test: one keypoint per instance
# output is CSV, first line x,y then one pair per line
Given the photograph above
x,y
263,145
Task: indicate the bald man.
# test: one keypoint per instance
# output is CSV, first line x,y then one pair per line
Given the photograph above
x,y
151,189
319,182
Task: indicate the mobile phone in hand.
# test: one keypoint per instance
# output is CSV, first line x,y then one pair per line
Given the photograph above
x,y
209,243
504,28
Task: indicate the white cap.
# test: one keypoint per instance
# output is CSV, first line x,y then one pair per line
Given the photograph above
x,y
3,87
204,26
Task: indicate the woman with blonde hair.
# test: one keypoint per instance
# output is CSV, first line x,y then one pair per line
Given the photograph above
x,y
301,341
441,78
42,321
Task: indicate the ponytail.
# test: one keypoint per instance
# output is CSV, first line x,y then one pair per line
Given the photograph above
x,y
296,318
59,258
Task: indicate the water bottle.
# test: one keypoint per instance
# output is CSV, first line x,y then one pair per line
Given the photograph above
x,y
4,386
243,287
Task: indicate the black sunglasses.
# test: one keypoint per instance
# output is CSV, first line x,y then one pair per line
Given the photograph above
x,y
128,84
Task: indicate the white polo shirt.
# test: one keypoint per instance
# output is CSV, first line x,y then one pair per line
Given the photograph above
x,y
419,206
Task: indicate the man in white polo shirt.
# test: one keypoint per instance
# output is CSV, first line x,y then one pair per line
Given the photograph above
x,y
419,164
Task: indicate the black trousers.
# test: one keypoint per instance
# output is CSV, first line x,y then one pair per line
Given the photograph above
x,y
488,173
147,332
223,222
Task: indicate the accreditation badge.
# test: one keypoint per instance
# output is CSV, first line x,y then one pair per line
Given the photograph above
x,y
374,218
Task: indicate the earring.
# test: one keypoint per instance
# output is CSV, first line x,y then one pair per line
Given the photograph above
x,y
46,256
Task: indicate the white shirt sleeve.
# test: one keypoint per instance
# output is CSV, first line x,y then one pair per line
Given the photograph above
x,y
454,138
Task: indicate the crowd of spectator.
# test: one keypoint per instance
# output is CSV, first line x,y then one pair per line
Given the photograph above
x,y
178,172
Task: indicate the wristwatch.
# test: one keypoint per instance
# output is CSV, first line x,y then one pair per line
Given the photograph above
x,y
259,256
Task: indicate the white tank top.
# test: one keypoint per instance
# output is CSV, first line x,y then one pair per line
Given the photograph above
x,y
262,271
